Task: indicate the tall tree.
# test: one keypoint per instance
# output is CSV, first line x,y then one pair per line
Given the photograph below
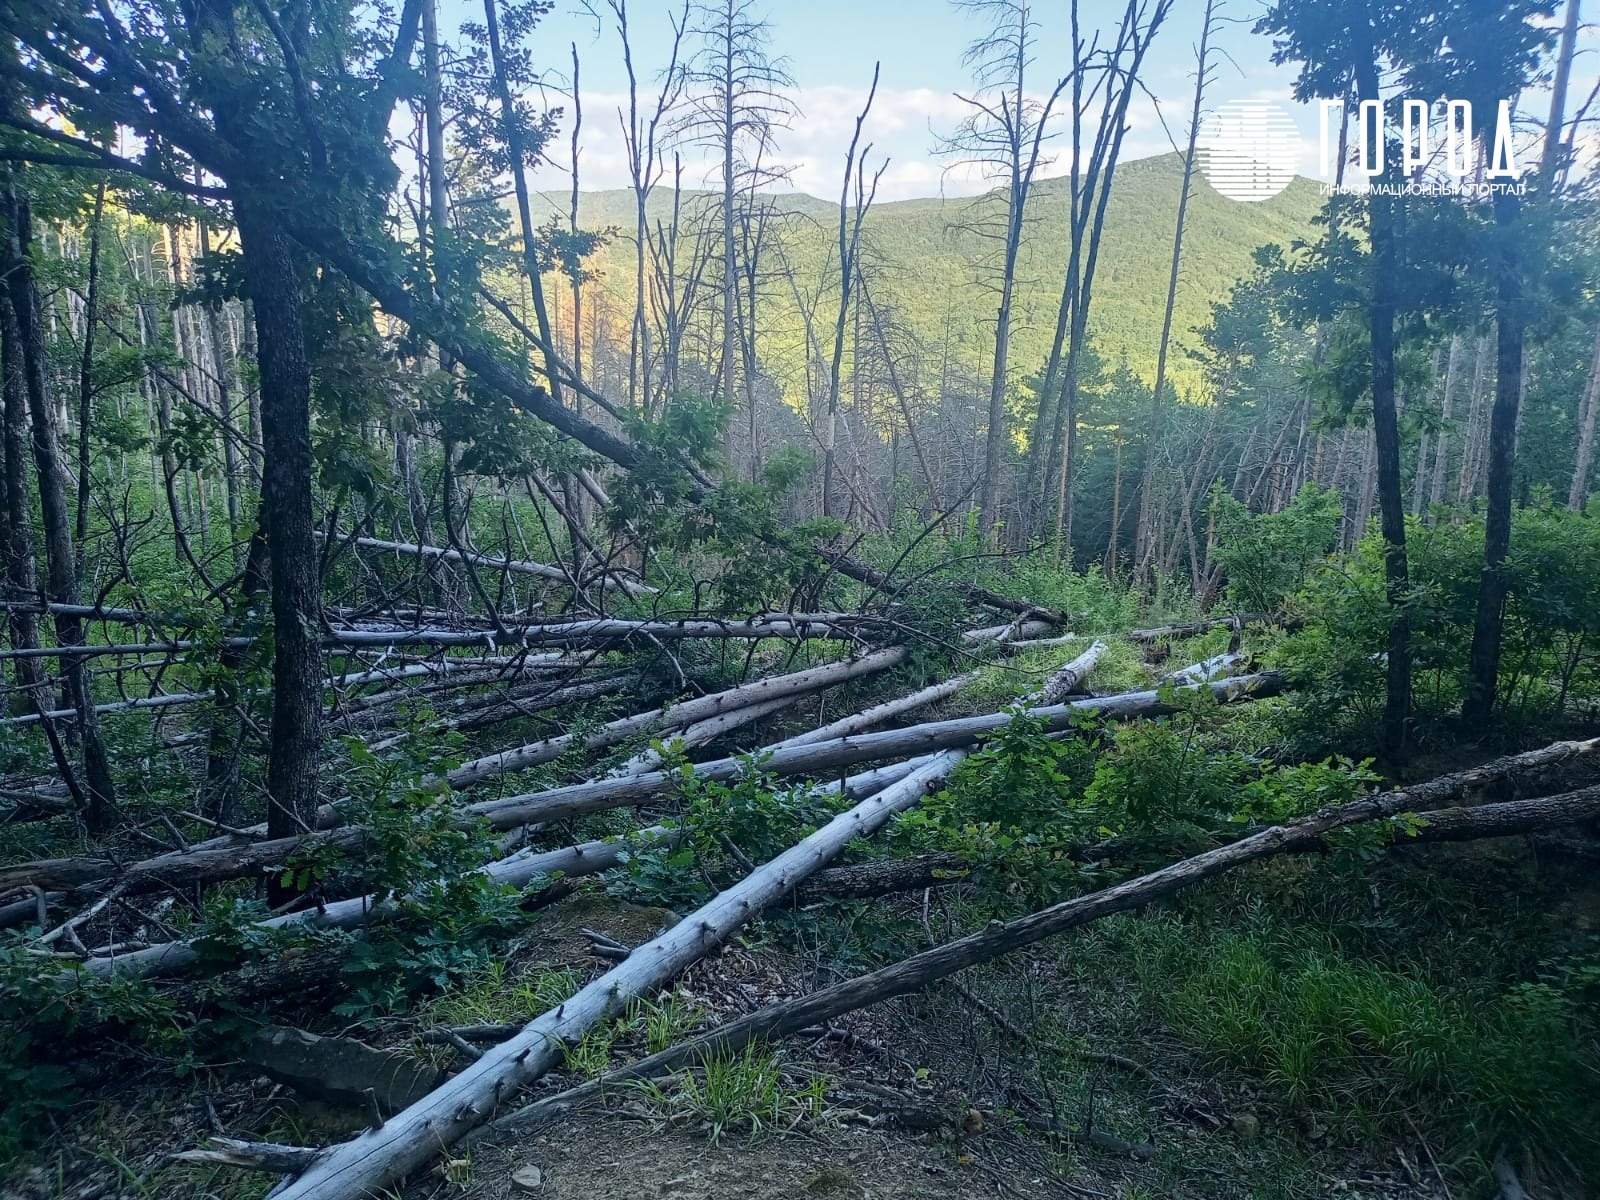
x,y
737,103
1496,48
1002,135
1154,440
1115,82
61,563
1333,47
850,222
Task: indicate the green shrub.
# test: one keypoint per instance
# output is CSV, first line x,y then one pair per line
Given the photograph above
x,y
1268,556
1551,627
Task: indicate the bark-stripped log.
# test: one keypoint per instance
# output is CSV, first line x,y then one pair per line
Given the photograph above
x,y
178,699
230,858
708,730
1202,672
590,632
1163,633
378,1157
517,870
677,716
1069,679
912,974
249,1156
144,703
513,566
820,757
879,713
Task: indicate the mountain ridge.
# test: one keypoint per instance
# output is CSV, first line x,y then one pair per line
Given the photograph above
x,y
927,260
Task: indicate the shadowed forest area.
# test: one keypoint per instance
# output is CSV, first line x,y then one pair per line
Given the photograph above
x,y
1086,689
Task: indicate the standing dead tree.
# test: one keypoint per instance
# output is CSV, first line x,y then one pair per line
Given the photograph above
x,y
1109,77
1154,444
1002,136
640,136
850,222
735,104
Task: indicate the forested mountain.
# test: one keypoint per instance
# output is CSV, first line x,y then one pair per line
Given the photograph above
x,y
916,248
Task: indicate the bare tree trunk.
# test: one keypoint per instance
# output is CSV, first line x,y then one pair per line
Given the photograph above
x,y
849,241
1441,445
1473,436
729,130
91,310
222,372
1153,438
1386,433
1558,95
1578,494
1483,663
60,559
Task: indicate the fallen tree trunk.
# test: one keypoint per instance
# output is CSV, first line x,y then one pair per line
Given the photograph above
x,y
596,631
176,699
574,799
513,566
379,1157
879,713
918,971
1201,672
517,870
216,862
1161,633
1069,679
171,700
708,730
677,716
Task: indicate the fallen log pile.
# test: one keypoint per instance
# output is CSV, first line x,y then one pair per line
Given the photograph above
x,y
386,1153
877,773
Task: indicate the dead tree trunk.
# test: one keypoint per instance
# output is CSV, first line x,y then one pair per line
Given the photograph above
x,y
912,974
60,559
1578,494
381,1156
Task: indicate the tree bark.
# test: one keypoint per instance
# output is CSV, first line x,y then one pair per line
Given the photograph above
x,y
1578,493
273,281
60,558
1483,663
1386,430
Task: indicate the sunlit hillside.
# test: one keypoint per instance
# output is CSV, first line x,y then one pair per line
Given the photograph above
x,y
919,247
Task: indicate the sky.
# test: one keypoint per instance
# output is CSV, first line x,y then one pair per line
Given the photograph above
x,y
829,48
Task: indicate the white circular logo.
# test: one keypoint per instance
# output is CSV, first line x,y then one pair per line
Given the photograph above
x,y
1249,149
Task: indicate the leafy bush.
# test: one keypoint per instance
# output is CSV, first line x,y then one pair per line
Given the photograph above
x,y
1268,556
1551,627
1013,806
45,1013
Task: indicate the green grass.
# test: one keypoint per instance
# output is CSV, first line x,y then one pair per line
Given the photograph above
x,y
743,1092
1372,1048
497,994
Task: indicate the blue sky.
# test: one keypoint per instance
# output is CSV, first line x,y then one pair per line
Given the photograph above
x,y
831,45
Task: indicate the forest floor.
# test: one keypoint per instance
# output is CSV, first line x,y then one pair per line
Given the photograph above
x,y
1317,1026
1172,1121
